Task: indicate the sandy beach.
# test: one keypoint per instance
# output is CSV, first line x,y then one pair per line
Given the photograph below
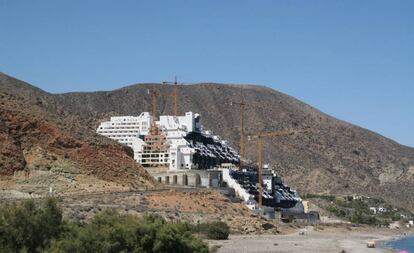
x,y
329,241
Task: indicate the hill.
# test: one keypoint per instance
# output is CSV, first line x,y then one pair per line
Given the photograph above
x,y
336,158
40,149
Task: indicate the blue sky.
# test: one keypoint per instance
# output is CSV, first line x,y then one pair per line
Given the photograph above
x,y
352,59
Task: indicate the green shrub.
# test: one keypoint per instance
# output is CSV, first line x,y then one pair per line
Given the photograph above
x,y
27,228
111,232
216,230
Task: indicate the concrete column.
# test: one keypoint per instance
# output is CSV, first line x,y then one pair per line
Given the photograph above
x,y
185,179
197,179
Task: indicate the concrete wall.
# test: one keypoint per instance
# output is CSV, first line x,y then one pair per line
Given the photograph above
x,y
194,178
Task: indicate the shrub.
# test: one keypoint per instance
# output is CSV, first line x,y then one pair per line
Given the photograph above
x,y
216,230
27,228
112,232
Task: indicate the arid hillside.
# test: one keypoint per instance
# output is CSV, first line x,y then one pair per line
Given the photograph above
x,y
39,149
336,157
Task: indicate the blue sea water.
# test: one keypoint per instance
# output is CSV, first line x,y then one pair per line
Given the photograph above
x,y
404,243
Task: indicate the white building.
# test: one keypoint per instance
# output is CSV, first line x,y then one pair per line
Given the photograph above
x,y
126,129
189,145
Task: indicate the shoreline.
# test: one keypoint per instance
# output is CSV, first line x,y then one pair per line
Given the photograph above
x,y
395,238
327,240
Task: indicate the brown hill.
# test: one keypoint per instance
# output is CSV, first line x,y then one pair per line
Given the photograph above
x,y
39,149
337,157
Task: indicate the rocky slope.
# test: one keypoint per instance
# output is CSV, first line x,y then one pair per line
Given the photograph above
x,y
39,149
193,206
337,157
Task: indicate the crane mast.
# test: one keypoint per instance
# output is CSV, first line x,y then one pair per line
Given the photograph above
x,y
242,133
174,95
175,98
241,104
153,92
260,146
259,171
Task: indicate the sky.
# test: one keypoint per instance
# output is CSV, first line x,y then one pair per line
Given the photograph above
x,y
352,59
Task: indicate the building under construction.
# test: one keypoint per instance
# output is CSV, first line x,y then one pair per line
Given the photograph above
x,y
178,150
172,142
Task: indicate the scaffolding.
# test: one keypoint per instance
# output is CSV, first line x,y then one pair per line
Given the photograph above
x,y
156,151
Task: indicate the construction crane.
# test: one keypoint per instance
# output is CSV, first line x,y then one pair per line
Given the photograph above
x,y
260,143
242,105
155,93
174,95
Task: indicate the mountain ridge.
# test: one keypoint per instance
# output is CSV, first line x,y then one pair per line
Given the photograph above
x,y
338,158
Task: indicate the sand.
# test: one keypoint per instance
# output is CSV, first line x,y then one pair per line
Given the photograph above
x,y
311,241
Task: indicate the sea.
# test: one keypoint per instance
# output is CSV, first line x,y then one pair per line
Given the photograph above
x,y
404,243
